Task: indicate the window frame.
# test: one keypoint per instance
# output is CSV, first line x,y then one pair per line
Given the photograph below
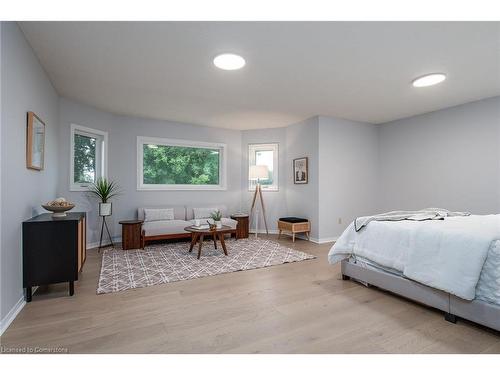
x,y
101,155
141,186
274,146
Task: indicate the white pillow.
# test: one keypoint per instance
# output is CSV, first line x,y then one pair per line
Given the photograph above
x,y
158,214
203,213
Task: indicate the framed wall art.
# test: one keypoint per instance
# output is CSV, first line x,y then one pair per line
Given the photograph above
x,y
35,142
300,171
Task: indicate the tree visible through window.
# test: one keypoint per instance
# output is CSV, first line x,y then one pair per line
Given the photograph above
x,y
84,170
178,165
88,156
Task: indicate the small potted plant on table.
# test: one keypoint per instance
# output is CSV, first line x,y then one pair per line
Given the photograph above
x,y
217,216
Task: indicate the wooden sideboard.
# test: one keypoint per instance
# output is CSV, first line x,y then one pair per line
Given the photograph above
x,y
54,250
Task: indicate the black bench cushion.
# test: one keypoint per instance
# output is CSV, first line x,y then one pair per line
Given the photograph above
x,y
293,219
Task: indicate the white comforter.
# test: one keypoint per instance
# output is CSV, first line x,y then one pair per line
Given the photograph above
x,y
445,254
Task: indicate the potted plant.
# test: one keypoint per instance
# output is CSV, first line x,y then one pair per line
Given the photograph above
x,y
217,216
104,190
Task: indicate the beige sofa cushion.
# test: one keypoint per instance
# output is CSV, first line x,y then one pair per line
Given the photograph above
x,y
158,214
225,221
159,228
203,212
179,212
212,207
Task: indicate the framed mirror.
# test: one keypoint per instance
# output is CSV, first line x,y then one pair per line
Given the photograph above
x,y
35,142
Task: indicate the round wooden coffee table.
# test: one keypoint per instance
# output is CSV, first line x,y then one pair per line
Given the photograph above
x,y
198,234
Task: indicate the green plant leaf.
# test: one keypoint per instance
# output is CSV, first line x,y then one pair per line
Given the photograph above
x,y
104,189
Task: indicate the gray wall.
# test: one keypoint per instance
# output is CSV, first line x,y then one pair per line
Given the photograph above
x,y
302,139
122,162
448,158
348,170
275,201
25,87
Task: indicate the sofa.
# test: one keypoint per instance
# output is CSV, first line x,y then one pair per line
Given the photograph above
x,y
183,216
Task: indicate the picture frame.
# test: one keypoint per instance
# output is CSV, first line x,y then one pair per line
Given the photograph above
x,y
301,170
35,142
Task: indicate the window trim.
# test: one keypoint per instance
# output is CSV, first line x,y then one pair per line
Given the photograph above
x,y
185,143
104,156
275,146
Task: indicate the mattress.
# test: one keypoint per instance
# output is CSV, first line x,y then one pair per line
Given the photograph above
x,y
488,286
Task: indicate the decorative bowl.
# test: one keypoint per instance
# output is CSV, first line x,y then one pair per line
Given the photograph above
x,y
58,211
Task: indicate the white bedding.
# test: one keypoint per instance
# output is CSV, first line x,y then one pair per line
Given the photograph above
x,y
447,254
488,287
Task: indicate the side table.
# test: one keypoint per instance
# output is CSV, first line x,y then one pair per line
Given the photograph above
x,y
131,234
242,226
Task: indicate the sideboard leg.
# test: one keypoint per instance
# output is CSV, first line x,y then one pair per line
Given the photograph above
x,y
28,294
450,317
71,288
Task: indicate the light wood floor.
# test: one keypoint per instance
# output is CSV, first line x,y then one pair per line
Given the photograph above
x,y
302,307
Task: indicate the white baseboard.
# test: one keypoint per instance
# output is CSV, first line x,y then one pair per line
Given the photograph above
x,y
16,309
324,240
301,236
92,245
263,231
11,315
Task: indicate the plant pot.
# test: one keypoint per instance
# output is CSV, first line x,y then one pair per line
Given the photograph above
x,y
218,224
105,209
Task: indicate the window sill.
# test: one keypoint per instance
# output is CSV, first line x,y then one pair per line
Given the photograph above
x,y
265,190
182,188
78,188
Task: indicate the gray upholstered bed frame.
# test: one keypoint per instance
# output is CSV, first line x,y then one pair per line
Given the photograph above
x,y
477,311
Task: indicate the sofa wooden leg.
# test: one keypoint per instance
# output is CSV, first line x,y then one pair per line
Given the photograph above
x,y
345,277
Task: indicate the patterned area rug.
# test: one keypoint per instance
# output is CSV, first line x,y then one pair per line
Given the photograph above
x,y
166,263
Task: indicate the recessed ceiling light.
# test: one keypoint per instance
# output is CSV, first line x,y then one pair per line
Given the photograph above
x,y
429,80
229,61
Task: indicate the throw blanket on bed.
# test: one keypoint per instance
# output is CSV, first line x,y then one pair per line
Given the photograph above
x,y
445,254
420,215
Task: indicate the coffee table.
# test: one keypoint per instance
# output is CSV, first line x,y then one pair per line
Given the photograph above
x,y
198,234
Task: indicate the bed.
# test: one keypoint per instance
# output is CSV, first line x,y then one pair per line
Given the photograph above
x,y
452,265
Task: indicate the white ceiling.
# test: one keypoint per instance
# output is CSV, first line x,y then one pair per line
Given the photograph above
x,y
355,70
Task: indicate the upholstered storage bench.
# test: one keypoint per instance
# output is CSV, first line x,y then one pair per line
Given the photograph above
x,y
294,225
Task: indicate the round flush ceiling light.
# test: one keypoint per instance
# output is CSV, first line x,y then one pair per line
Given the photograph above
x,y
429,80
229,61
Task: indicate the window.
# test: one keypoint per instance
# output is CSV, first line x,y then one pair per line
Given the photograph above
x,y
264,154
173,164
88,156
